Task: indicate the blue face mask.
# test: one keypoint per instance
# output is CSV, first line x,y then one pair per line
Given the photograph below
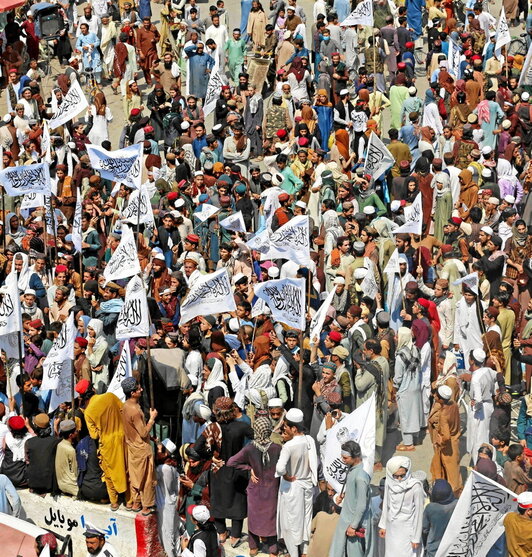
x,y
326,39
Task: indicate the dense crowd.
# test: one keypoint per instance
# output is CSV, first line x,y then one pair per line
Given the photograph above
x,y
397,147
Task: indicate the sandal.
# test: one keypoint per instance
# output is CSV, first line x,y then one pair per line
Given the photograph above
x,y
115,507
236,542
404,448
148,512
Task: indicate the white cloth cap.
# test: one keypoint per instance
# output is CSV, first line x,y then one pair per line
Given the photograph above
x,y
445,392
201,513
169,445
275,403
339,280
369,210
506,124
237,277
179,203
273,272
509,199
395,205
233,324
524,500
493,201
204,412
344,92
185,125
198,173
486,172
277,179
301,204
486,150
160,256
479,355
488,230
7,118
525,96
30,291
360,273
412,90
294,415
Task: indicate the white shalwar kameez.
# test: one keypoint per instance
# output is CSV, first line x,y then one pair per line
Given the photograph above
x,y
166,493
467,333
481,391
298,458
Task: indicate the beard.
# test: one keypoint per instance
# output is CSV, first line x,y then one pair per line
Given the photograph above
x,y
168,65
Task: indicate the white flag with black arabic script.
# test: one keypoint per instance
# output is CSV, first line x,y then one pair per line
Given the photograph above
x,y
46,143
286,300
123,370
361,15
357,426
77,232
503,32
291,241
470,281
73,103
393,263
413,218
454,59
31,178
209,294
206,212
234,222
124,262
378,157
60,354
476,522
214,86
369,285
316,325
10,312
260,242
123,166
139,209
63,391
133,319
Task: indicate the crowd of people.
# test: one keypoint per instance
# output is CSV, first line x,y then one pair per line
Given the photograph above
x,y
225,417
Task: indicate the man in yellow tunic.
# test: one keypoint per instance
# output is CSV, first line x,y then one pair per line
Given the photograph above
x,y
139,454
104,422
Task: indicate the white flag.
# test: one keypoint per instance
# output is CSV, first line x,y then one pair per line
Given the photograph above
x,y
234,222
207,211
46,143
470,281
476,522
378,158
503,32
124,262
31,178
258,308
358,426
73,103
142,214
454,59
393,263
291,241
123,370
286,300
208,294
413,218
50,217
32,201
361,15
260,242
525,77
369,285
10,312
77,232
123,166
133,319
60,354
45,551
214,87
63,391
316,324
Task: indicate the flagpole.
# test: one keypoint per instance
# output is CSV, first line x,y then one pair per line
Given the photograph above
x,y
52,219
3,220
300,383
240,337
402,290
150,371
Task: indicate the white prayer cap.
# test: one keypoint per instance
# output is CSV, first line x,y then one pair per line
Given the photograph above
x,y
169,445
506,124
339,280
72,58
524,500
273,272
277,179
131,82
344,92
217,127
486,150
487,230
30,292
493,201
7,118
29,12
301,204
275,403
198,173
486,173
201,513
479,355
445,392
509,199
412,90
71,144
179,203
294,415
185,125
395,205
237,277
204,412
369,210
287,34
175,214
360,273
233,324
160,256
525,96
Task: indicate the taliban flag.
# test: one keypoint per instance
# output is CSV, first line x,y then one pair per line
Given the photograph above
x,y
60,356
361,15
469,281
316,324
234,222
134,317
291,241
123,370
413,218
378,158
286,300
124,262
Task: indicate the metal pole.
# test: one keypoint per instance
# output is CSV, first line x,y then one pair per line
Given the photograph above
x,y
52,218
300,384
4,221
150,372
